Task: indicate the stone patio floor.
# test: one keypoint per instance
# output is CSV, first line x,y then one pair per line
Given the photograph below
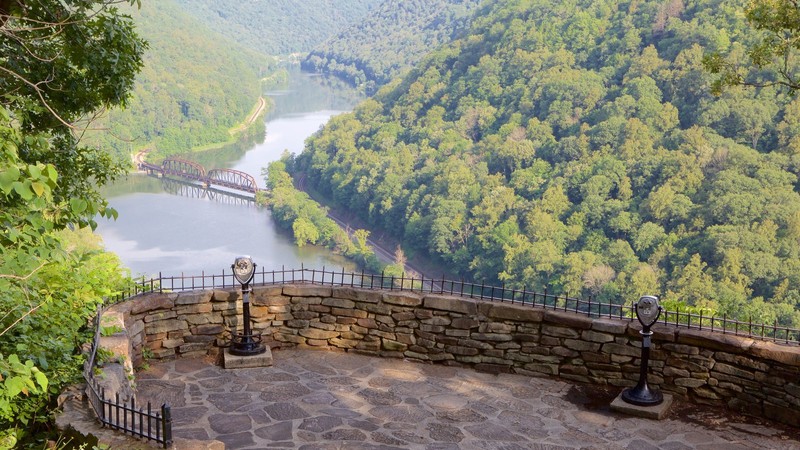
x,y
335,400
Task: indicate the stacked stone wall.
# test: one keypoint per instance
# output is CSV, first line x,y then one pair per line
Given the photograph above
x,y
753,376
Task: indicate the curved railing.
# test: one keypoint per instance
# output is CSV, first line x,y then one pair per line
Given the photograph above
x,y
466,289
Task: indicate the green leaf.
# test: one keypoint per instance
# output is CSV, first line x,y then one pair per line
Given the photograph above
x,y
23,189
7,178
78,205
38,188
34,171
41,378
51,173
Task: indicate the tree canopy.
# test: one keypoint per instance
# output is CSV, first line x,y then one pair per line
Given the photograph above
x,y
279,27
577,146
60,61
392,38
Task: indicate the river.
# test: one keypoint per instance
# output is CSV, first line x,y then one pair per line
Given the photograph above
x,y
170,229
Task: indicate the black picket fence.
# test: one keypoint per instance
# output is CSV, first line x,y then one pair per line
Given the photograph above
x,y
462,288
121,415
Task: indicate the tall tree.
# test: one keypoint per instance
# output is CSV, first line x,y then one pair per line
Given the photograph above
x,y
774,54
60,61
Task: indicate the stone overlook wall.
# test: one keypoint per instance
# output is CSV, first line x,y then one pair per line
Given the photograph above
x,y
756,377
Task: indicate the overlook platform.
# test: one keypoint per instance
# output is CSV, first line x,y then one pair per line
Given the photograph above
x,y
317,399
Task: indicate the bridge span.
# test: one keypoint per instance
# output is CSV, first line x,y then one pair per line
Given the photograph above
x,y
190,170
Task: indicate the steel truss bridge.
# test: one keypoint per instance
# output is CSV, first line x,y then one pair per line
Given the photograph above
x,y
190,170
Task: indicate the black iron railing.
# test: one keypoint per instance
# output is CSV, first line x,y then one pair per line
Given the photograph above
x,y
462,288
121,415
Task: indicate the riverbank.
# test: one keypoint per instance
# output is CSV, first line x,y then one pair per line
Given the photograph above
x,y
382,242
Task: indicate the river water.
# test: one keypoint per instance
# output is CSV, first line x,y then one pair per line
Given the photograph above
x,y
173,229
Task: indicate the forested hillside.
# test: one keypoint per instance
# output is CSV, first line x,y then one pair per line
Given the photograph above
x,y
392,38
576,145
279,27
195,85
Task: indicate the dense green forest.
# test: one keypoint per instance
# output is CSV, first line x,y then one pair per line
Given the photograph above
x,y
394,37
61,61
195,86
279,27
576,145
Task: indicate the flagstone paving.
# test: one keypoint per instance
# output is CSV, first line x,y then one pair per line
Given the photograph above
x,y
334,400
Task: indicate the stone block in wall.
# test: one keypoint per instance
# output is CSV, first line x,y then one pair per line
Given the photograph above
x,y
610,326
344,343
199,339
339,303
406,338
559,332
289,338
357,313
432,328
358,295
689,382
193,347
297,323
496,327
457,333
305,315
404,316
414,355
200,308
270,300
715,341
452,304
741,360
681,349
172,343
318,323
600,358
370,343
723,377
686,364
306,290
208,330
661,332
315,333
518,313
422,313
548,369
572,320
387,320
222,295
161,353
378,308
464,323
595,336
393,346
153,302
581,345
778,353
618,349
193,298
301,303
136,329
670,371
165,326
564,352
471,343
402,298
733,370
491,337
159,315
